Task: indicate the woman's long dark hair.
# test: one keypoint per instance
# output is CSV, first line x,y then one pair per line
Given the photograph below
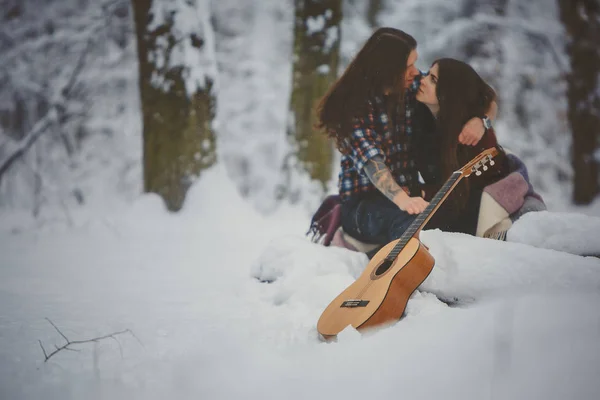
x,y
378,67
462,95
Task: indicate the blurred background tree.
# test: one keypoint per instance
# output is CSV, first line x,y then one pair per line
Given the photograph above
x,y
61,64
176,88
373,11
317,37
582,23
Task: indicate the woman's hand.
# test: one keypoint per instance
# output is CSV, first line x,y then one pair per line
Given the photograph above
x,y
472,132
412,205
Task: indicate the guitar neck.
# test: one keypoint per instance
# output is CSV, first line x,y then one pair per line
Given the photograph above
x,y
426,215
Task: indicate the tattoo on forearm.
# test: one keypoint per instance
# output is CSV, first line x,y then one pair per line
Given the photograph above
x,y
381,176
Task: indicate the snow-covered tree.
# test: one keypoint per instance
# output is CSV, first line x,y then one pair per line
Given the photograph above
x,y
177,88
582,22
61,67
316,56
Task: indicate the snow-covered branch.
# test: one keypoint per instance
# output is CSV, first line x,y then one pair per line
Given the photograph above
x,y
11,151
189,44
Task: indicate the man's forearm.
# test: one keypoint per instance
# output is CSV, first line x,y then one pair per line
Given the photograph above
x,y
381,176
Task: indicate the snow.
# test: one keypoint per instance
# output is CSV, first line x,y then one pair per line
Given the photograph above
x,y
189,19
323,69
554,231
223,297
494,319
315,24
332,38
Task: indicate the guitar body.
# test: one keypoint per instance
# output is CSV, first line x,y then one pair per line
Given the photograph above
x,y
379,296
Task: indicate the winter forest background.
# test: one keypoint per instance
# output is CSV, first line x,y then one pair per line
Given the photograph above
x,y
71,120
158,171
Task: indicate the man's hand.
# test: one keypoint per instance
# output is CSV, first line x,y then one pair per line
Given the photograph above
x,y
412,205
472,132
382,178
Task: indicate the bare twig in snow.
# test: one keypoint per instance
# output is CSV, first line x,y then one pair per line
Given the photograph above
x,y
120,347
57,330
136,338
75,342
43,349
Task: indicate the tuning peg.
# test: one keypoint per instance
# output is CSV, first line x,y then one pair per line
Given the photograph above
x,y
478,172
492,162
485,167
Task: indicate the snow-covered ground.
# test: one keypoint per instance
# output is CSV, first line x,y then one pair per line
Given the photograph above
x,y
523,321
494,320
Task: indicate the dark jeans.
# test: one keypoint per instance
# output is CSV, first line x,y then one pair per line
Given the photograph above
x,y
374,219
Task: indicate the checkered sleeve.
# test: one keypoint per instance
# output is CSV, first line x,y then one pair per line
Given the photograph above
x,y
366,142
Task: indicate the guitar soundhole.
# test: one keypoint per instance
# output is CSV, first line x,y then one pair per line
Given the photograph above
x,y
383,267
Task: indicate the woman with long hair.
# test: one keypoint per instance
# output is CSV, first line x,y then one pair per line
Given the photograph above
x,y
451,94
369,113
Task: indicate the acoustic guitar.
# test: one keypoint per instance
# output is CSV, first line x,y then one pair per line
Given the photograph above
x,y
380,294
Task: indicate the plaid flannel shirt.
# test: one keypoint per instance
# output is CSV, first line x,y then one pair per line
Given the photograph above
x,y
371,136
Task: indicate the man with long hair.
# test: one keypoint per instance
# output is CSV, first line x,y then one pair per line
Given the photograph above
x,y
369,113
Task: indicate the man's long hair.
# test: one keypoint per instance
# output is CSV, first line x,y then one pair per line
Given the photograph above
x,y
462,95
377,69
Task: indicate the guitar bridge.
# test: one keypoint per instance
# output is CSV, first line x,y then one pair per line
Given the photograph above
x,y
355,303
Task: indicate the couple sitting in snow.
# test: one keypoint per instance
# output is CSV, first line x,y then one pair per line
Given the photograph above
x,y
391,123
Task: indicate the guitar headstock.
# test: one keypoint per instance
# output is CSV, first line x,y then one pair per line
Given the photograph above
x,y
479,162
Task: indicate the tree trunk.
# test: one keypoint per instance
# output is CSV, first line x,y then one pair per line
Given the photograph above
x,y
582,22
316,56
373,10
176,75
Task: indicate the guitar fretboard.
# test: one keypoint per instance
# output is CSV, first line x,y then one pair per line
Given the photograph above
x,y
423,217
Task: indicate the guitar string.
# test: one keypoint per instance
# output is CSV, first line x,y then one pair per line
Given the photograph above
x,y
416,224
363,290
